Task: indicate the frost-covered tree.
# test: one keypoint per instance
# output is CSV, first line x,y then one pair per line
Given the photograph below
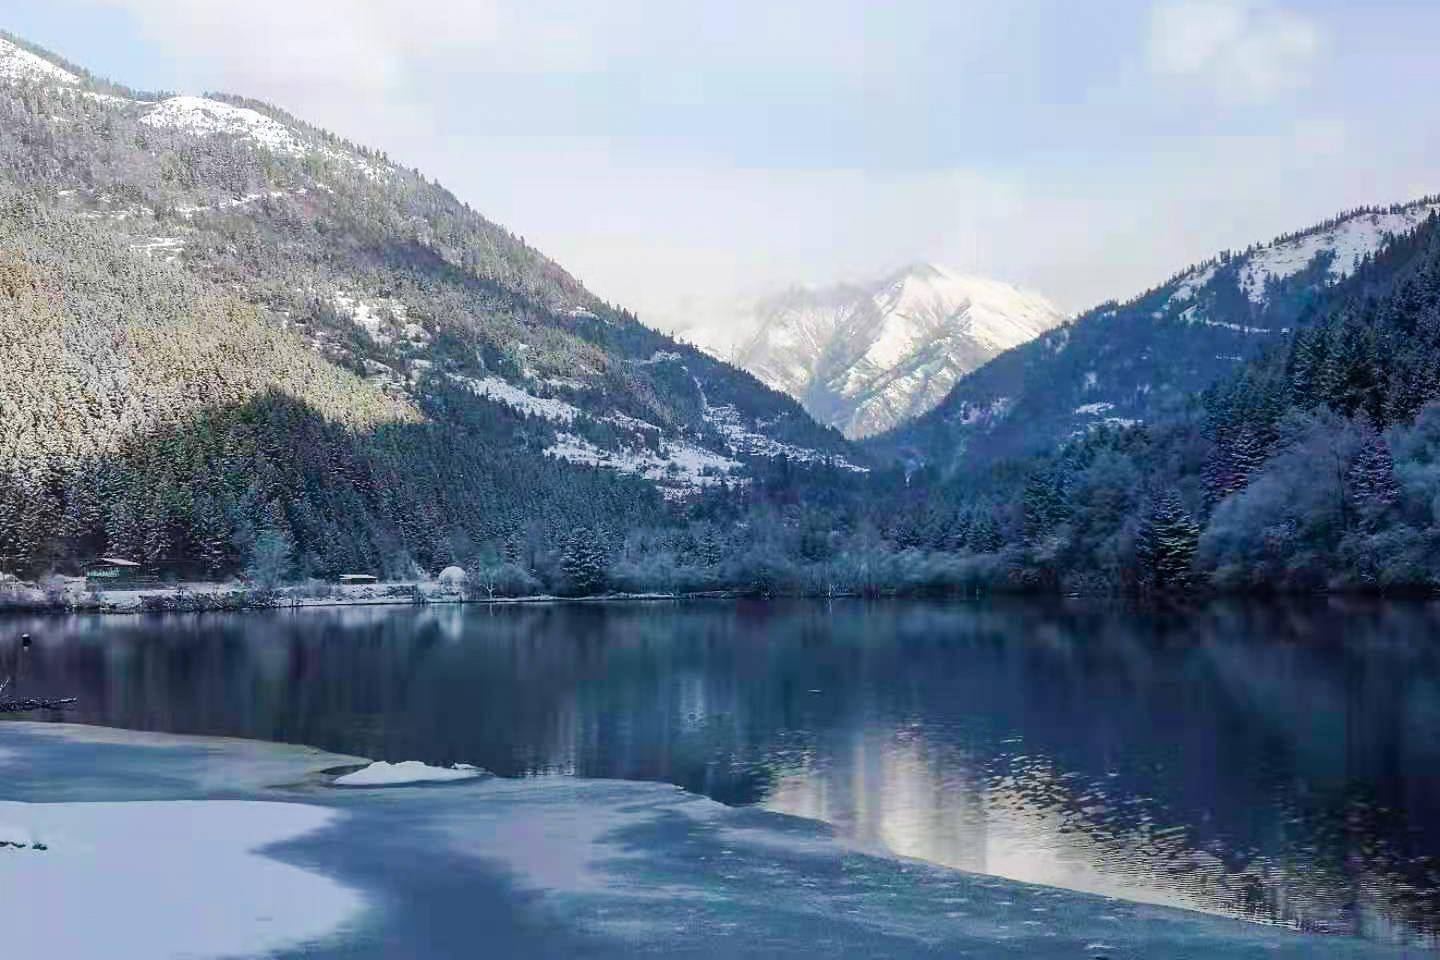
x,y
1166,543
584,561
271,560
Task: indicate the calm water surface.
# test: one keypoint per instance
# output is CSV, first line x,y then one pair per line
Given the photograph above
x,y
1275,762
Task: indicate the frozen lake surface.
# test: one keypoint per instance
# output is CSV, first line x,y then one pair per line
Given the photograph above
x,y
1265,762
213,848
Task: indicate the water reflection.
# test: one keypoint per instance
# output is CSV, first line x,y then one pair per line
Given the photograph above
x,y
1274,762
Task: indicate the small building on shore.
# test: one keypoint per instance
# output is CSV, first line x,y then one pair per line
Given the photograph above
x,y
357,579
112,571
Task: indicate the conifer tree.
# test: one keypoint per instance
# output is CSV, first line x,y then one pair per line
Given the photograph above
x,y
1371,481
584,561
1165,546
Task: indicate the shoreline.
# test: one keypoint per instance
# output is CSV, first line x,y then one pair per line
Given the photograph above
x,y
237,601
234,598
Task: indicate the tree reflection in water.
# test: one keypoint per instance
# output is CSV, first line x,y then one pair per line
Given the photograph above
x,y
1272,761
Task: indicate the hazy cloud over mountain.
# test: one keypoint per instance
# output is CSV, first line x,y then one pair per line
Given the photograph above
x,y
682,156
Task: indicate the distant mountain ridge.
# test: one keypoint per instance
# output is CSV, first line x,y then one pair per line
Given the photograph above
x,y
867,357
1122,364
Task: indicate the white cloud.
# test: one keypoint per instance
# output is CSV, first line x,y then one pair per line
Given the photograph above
x,y
682,157
1240,49
360,45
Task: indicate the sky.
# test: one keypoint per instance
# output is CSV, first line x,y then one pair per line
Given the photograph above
x,y
681,158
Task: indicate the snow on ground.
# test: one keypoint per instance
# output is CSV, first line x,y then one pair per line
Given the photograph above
x,y
1121,422
203,116
1094,409
1190,317
1058,339
1349,241
367,315
241,201
163,879
678,468
1192,283
17,63
382,774
972,413
162,248
742,440
14,835
501,391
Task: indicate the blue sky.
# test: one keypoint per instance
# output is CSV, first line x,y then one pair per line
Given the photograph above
x,y
680,157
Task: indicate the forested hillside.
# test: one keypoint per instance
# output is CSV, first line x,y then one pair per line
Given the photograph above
x,y
224,327
1145,359
1312,466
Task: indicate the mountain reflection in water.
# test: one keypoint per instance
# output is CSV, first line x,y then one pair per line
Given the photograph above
x,y
1270,761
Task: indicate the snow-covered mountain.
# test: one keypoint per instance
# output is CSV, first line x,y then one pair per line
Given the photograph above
x,y
187,272
865,358
17,63
1126,363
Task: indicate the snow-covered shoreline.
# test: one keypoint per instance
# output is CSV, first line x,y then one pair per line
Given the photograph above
x,y
233,597
162,846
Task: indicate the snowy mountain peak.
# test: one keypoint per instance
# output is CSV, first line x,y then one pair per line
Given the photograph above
x,y
864,357
919,270
17,63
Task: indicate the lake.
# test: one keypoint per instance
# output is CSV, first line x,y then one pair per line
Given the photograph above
x,y
1277,762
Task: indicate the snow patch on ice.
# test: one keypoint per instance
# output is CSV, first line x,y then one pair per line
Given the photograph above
x,y
382,774
164,879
